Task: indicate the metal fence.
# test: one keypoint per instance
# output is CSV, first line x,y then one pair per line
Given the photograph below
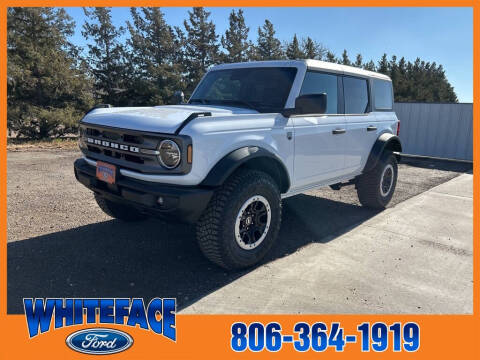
x,y
437,130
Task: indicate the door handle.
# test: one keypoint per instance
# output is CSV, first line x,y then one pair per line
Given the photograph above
x,y
338,131
371,128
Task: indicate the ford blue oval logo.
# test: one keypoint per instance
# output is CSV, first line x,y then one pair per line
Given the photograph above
x,y
99,341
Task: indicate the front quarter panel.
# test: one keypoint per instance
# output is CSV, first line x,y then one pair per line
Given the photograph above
x,y
213,138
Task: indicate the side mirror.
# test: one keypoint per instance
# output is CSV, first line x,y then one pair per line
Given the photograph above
x,y
308,104
178,97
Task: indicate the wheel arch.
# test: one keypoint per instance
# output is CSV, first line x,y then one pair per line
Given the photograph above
x,y
384,142
251,157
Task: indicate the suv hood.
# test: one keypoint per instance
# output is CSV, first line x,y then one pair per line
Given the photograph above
x,y
160,119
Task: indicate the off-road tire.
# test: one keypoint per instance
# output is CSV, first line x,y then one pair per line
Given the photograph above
x,y
216,226
119,211
368,184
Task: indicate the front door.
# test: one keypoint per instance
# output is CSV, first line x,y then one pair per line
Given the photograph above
x,y
319,144
320,139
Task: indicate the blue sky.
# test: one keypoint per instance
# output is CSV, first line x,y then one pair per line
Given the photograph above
x,y
443,35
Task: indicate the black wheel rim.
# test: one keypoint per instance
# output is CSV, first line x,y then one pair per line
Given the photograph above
x,y
387,180
253,222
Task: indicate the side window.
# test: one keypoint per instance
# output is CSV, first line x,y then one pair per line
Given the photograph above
x,y
318,83
355,91
382,92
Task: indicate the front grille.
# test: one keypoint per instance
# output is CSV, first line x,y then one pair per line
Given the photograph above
x,y
94,149
130,149
111,135
132,139
121,147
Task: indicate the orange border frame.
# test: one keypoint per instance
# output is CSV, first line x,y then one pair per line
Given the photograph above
x,y
208,336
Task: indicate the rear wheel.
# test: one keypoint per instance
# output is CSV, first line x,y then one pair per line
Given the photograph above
x,y
242,220
376,187
119,211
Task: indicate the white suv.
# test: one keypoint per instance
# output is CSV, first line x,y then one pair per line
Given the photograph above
x,y
251,134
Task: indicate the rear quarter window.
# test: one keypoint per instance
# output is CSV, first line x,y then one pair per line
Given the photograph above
x,y
355,92
382,93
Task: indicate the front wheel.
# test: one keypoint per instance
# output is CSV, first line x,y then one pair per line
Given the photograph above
x,y
242,220
376,187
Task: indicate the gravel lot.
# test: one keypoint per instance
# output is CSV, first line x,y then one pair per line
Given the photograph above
x,y
60,244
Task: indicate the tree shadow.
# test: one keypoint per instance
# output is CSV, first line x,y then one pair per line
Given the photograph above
x,y
153,258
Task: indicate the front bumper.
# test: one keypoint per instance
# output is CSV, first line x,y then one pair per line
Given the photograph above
x,y
182,203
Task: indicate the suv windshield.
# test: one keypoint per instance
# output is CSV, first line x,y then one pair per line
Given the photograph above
x,y
264,89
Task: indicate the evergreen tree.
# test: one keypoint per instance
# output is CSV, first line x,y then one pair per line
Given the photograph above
x,y
358,61
201,46
154,74
268,46
47,92
402,66
383,65
106,55
309,49
369,66
402,84
235,41
345,59
418,81
293,51
393,69
331,57
313,50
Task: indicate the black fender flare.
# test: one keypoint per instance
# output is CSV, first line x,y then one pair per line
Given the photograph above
x,y
254,156
384,142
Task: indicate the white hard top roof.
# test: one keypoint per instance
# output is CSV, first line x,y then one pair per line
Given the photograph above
x,y
310,64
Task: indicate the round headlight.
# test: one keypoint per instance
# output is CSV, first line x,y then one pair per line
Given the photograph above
x,y
169,154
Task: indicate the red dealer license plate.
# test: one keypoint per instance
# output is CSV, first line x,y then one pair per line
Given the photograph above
x,y
106,172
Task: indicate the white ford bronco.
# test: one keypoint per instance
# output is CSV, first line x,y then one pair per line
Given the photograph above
x,y
251,134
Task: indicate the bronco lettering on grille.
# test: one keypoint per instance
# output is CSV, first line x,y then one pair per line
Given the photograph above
x,y
113,145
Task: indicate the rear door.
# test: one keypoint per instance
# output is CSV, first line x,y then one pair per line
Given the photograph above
x,y
361,123
320,139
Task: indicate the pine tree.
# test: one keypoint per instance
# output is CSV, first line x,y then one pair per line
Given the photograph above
x,y
418,81
106,55
345,59
293,51
201,46
331,57
154,74
313,50
308,48
383,65
48,91
369,66
268,46
393,69
235,41
358,61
